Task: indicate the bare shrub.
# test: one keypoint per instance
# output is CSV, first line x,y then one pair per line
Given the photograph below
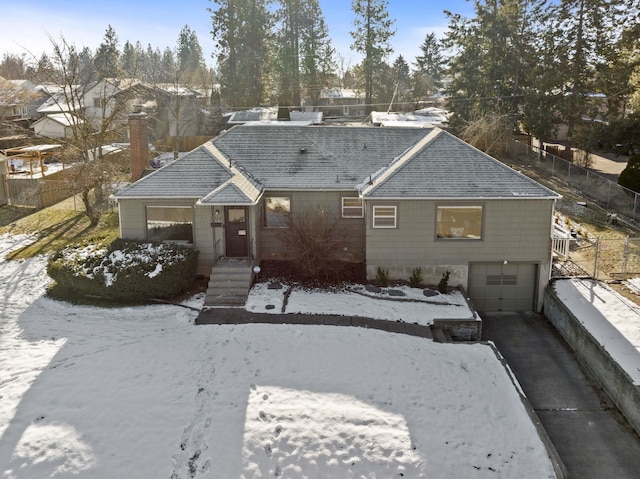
x,y
314,245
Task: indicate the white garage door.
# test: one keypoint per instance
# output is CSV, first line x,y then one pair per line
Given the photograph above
x,y
502,287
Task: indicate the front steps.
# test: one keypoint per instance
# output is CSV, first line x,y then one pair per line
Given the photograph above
x,y
229,283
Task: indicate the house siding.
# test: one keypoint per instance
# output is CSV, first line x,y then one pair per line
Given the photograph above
x,y
513,230
304,202
133,225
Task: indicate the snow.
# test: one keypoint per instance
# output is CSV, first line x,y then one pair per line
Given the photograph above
x,y
612,320
143,392
410,305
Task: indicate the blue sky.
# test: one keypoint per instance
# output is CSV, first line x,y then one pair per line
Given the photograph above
x,y
28,23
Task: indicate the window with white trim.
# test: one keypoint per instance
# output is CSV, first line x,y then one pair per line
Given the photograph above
x,y
384,216
352,207
459,222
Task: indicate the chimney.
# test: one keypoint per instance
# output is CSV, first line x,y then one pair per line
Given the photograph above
x,y
139,143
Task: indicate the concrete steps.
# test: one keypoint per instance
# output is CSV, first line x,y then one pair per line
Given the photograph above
x,y
440,336
229,285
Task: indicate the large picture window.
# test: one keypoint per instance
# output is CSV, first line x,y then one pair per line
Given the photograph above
x,y
384,217
459,222
165,223
352,207
277,212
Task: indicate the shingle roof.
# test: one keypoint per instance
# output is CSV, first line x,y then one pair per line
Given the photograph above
x,y
319,158
237,166
227,194
193,175
447,167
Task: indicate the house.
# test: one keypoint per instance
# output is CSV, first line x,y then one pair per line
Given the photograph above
x,y
423,118
19,101
273,115
403,198
341,102
56,125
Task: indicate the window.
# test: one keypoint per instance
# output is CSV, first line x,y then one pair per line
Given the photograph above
x,y
277,212
169,224
352,208
459,222
24,111
384,216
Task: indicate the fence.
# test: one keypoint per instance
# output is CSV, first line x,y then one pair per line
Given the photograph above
x,y
604,192
38,192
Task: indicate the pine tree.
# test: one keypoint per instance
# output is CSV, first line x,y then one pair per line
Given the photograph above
x,y
107,57
242,29
371,34
429,68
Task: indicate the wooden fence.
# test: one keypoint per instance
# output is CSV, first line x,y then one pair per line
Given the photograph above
x,y
38,192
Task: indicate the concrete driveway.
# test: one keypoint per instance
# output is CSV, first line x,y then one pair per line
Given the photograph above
x,y
590,435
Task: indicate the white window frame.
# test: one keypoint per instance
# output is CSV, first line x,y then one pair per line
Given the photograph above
x,y
378,216
352,211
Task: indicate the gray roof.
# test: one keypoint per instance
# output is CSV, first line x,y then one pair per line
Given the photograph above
x,y
237,166
228,194
193,175
447,167
314,157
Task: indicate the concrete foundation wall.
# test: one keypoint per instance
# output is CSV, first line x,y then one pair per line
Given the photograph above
x,y
608,374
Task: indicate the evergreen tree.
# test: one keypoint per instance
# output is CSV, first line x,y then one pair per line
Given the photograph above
x,y
584,33
168,69
429,68
304,52
318,63
494,53
242,29
189,56
371,35
402,85
129,60
107,57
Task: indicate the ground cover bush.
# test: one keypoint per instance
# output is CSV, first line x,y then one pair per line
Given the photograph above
x,y
121,271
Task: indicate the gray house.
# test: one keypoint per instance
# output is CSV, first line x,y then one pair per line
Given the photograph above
x,y
404,198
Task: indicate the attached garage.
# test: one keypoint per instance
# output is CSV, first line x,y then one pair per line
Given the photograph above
x,y
503,287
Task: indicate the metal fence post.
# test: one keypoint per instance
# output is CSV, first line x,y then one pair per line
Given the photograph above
x,y
625,255
595,260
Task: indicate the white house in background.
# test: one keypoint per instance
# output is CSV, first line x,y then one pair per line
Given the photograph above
x,y
56,125
424,118
341,102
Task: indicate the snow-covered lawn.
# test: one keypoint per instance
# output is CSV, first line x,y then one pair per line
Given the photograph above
x,y
141,392
409,305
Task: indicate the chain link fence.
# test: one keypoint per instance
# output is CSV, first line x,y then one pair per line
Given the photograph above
x,y
606,193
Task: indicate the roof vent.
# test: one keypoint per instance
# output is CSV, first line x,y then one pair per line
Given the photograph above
x,y
303,150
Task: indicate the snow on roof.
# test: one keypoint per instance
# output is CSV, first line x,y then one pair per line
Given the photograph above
x,y
420,118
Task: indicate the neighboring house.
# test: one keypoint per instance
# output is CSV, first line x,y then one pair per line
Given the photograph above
x,y
274,115
424,118
56,125
341,102
403,198
19,101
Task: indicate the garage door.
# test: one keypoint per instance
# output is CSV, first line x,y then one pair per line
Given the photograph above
x,y
502,287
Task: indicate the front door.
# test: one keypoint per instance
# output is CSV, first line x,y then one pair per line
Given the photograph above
x,y
236,234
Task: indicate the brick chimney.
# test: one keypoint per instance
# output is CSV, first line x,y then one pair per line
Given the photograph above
x,y
139,143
